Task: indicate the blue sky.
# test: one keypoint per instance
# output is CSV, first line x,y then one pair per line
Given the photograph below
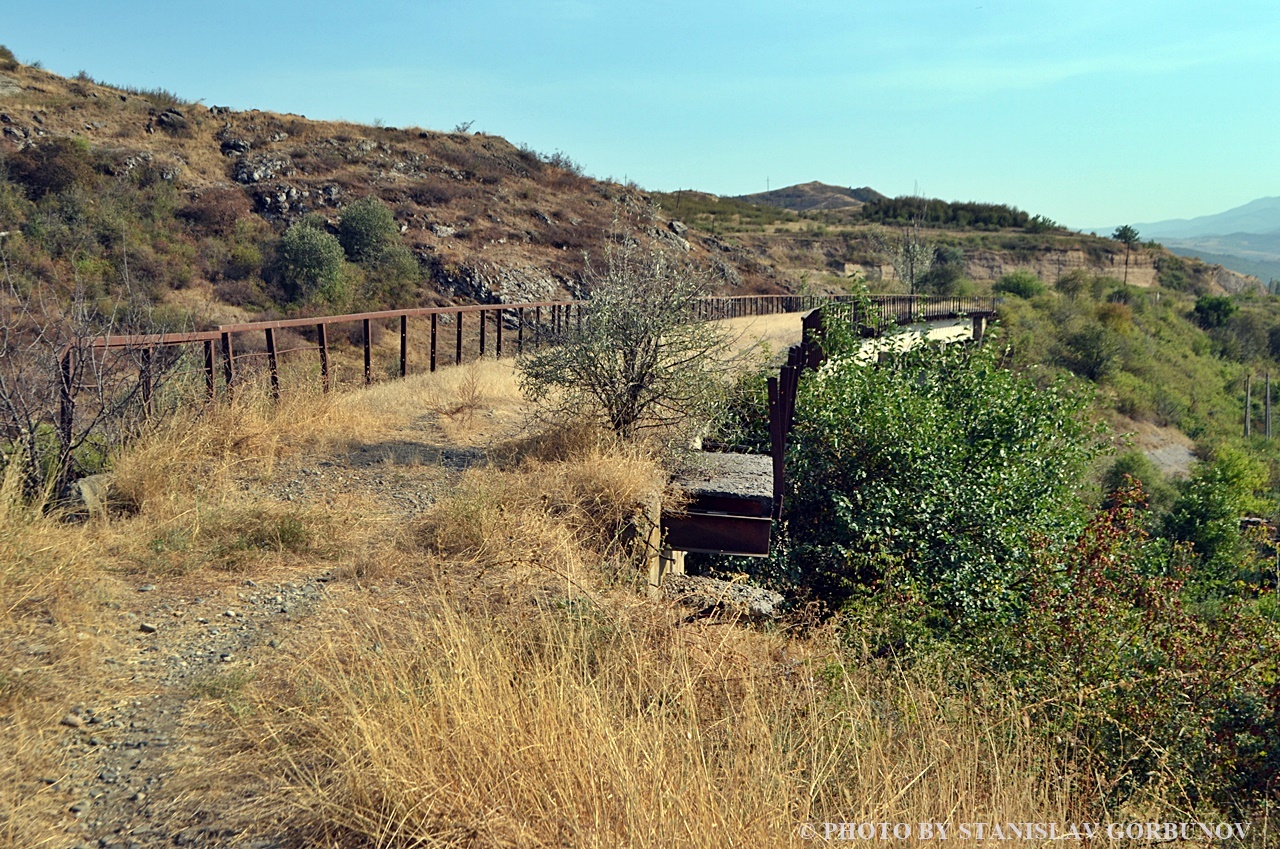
x,y
1091,113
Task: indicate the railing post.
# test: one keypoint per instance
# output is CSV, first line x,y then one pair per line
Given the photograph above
x,y
484,322
520,330
273,364
322,335
210,378
434,316
501,313
404,345
368,351
537,327
228,365
457,352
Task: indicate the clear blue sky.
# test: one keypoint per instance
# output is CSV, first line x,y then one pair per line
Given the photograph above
x,y
1091,113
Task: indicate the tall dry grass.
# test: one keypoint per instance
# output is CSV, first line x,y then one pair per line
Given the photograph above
x,y
574,712
600,724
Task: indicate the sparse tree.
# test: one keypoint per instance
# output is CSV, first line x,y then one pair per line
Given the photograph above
x,y
63,400
643,359
910,253
1129,236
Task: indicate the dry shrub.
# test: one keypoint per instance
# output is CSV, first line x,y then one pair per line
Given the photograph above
x,y
559,517
600,725
217,209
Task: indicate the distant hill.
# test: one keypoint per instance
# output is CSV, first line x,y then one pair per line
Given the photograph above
x,y
1258,216
1244,239
808,197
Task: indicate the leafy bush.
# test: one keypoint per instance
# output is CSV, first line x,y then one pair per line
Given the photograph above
x,y
1214,310
8,62
309,264
940,462
1207,515
1024,284
642,359
53,166
367,229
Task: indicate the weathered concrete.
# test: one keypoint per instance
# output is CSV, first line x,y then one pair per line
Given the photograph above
x,y
745,477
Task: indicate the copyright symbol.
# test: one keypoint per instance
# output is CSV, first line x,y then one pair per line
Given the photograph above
x,y
808,831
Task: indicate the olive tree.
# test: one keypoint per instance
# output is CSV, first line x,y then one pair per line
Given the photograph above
x,y
643,358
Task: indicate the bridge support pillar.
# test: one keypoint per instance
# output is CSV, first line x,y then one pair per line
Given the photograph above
x,y
979,327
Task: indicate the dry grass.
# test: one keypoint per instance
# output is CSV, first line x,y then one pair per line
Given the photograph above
x,y
51,591
599,724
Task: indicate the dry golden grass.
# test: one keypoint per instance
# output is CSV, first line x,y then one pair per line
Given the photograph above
x,y
592,724
50,637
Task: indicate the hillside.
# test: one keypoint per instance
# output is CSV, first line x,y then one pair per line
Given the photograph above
x,y
807,197
186,204
485,219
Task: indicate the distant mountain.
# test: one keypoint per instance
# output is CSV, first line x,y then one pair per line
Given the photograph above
x,y
1257,216
1244,239
813,196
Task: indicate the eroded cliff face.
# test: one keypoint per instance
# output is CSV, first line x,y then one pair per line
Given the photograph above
x,y
988,265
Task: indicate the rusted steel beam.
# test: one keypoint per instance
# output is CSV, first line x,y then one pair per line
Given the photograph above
x,y
273,364
146,381
322,334
66,396
718,533
404,345
228,364
210,377
457,351
368,350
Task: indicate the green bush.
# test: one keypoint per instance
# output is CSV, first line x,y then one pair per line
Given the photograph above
x,y
8,62
53,166
937,462
309,264
1207,514
1214,310
367,229
1023,284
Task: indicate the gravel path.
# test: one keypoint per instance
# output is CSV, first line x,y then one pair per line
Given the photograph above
x,y
126,759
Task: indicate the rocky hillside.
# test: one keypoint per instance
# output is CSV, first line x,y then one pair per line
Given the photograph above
x,y
187,202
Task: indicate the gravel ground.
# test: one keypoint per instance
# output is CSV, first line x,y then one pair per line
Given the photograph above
x,y
125,780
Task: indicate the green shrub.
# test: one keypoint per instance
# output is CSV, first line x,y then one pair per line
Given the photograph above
x,y
309,264
367,229
1023,284
8,62
938,461
53,166
1214,310
1207,514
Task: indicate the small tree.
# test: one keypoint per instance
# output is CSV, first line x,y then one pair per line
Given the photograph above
x,y
309,262
910,254
1129,237
643,359
367,229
